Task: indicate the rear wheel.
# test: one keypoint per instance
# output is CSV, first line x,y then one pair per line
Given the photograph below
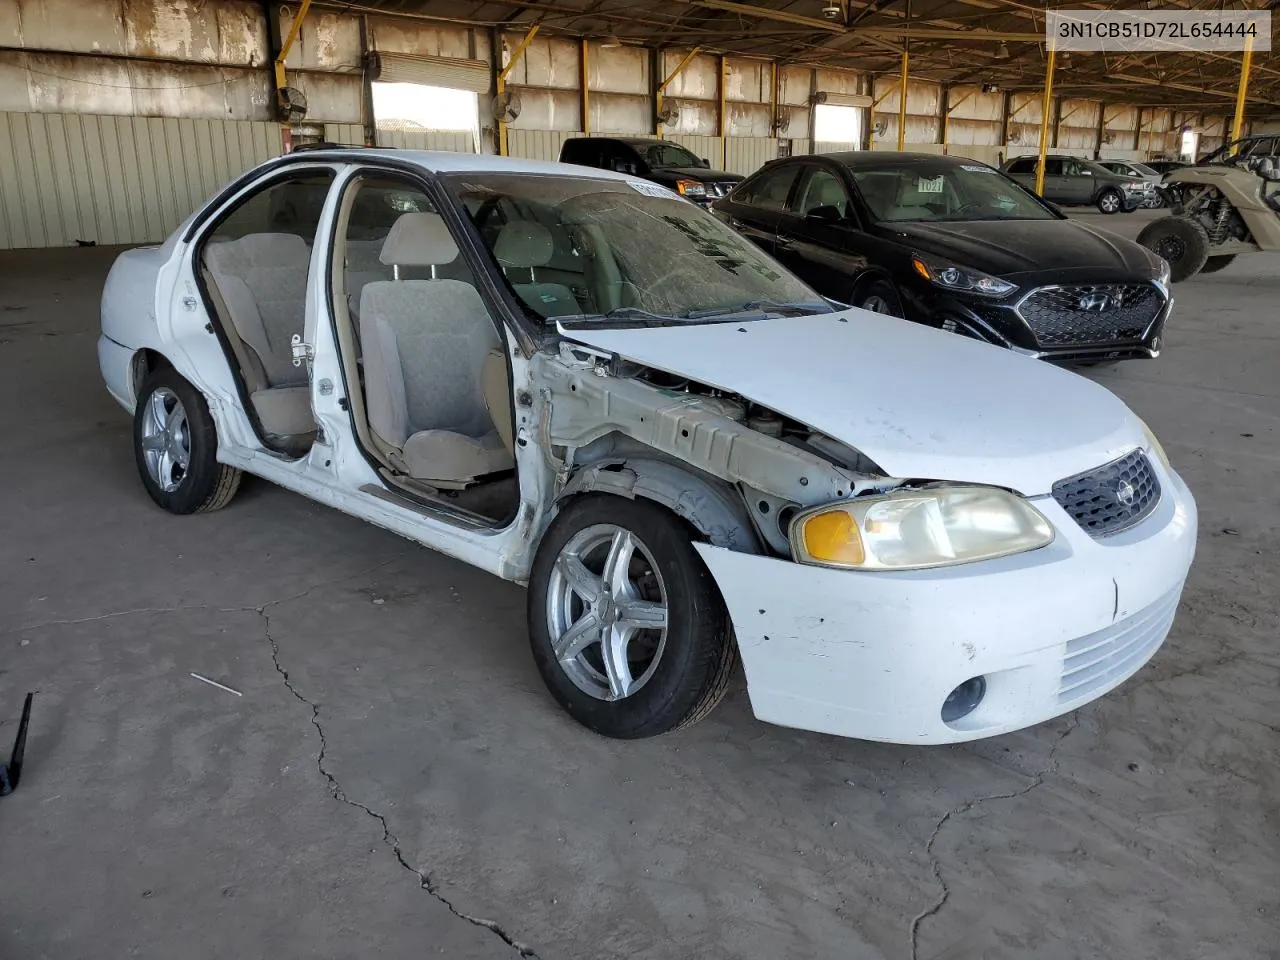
x,y
880,297
176,444
1110,201
1214,264
1181,241
626,623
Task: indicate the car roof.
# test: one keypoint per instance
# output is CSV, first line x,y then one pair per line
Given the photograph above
x,y
441,161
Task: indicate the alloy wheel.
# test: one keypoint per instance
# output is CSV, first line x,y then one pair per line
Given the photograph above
x,y
166,439
606,612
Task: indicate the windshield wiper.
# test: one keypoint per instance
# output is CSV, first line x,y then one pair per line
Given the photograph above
x,y
619,313
794,308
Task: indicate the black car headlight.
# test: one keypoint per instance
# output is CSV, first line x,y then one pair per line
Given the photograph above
x,y
961,279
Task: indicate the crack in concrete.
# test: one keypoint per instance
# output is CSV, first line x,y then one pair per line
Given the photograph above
x,y
388,838
1050,767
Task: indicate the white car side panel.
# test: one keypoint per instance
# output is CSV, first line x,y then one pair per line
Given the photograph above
x,y
874,655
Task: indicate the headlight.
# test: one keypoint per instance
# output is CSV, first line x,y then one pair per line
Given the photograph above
x,y
1134,186
960,278
691,188
1154,448
1163,273
911,529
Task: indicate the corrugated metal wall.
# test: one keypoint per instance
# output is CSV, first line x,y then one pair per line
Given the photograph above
x,y
746,155
537,144
69,177
457,141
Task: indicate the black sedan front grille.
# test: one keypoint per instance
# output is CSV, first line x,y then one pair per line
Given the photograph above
x,y
1111,498
1091,313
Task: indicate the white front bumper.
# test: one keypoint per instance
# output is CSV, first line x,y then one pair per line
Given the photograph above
x,y
874,655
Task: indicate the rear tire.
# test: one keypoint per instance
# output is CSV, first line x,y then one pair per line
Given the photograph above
x,y
1221,262
1110,200
1181,241
175,446
638,561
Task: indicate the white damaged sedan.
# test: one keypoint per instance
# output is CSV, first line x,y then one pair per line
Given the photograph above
x,y
578,381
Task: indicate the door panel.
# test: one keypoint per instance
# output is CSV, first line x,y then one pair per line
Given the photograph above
x,y
757,205
829,256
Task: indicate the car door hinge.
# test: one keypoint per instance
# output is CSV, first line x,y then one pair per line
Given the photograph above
x,y
301,351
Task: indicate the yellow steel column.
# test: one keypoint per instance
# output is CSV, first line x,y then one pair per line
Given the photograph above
x,y
724,114
586,91
1044,119
657,96
902,102
294,28
1242,92
516,54
286,133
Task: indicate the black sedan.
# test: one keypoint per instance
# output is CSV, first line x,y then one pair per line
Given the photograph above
x,y
955,244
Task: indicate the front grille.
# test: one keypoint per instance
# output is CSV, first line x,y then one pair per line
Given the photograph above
x,y
1091,313
1100,659
1111,498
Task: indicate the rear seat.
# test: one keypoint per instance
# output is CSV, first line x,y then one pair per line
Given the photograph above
x,y
363,266
262,280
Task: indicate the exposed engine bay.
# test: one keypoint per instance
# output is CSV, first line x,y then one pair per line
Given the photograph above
x,y
608,421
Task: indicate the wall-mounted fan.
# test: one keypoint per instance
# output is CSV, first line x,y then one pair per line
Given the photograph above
x,y
291,104
505,106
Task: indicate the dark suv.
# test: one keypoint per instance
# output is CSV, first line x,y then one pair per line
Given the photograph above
x,y
661,161
1071,181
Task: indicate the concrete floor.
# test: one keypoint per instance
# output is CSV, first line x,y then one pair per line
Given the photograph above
x,y
394,781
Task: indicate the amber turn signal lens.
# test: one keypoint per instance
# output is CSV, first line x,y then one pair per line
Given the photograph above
x,y
833,537
921,269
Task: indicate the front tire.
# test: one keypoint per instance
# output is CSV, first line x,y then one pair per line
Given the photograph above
x,y
1110,201
627,625
175,446
880,297
1181,241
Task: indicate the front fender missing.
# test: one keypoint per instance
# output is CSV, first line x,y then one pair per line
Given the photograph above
x,y
702,503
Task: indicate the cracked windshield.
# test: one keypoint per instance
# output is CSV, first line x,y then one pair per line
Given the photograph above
x,y
623,252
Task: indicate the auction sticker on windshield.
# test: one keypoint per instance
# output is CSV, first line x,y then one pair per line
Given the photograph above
x,y
652,190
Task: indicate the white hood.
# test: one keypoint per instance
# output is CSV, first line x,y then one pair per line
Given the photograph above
x,y
921,403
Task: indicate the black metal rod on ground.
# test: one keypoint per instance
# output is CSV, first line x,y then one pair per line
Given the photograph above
x,y
11,773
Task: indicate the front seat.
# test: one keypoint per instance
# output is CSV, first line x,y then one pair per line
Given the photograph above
x,y
527,245
425,343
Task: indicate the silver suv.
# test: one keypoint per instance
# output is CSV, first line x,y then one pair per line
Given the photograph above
x,y
1071,181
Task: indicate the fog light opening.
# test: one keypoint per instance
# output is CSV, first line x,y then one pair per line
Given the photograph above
x,y
964,699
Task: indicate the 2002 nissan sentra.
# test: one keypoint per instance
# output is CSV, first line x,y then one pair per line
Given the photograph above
x,y
579,381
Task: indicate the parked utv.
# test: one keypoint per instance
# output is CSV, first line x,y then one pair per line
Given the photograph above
x,y
1225,205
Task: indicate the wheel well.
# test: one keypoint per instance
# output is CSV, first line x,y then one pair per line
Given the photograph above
x,y
867,279
145,363
712,508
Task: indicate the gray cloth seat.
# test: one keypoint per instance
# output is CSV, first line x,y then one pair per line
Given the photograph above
x,y
527,245
425,344
262,283
363,266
